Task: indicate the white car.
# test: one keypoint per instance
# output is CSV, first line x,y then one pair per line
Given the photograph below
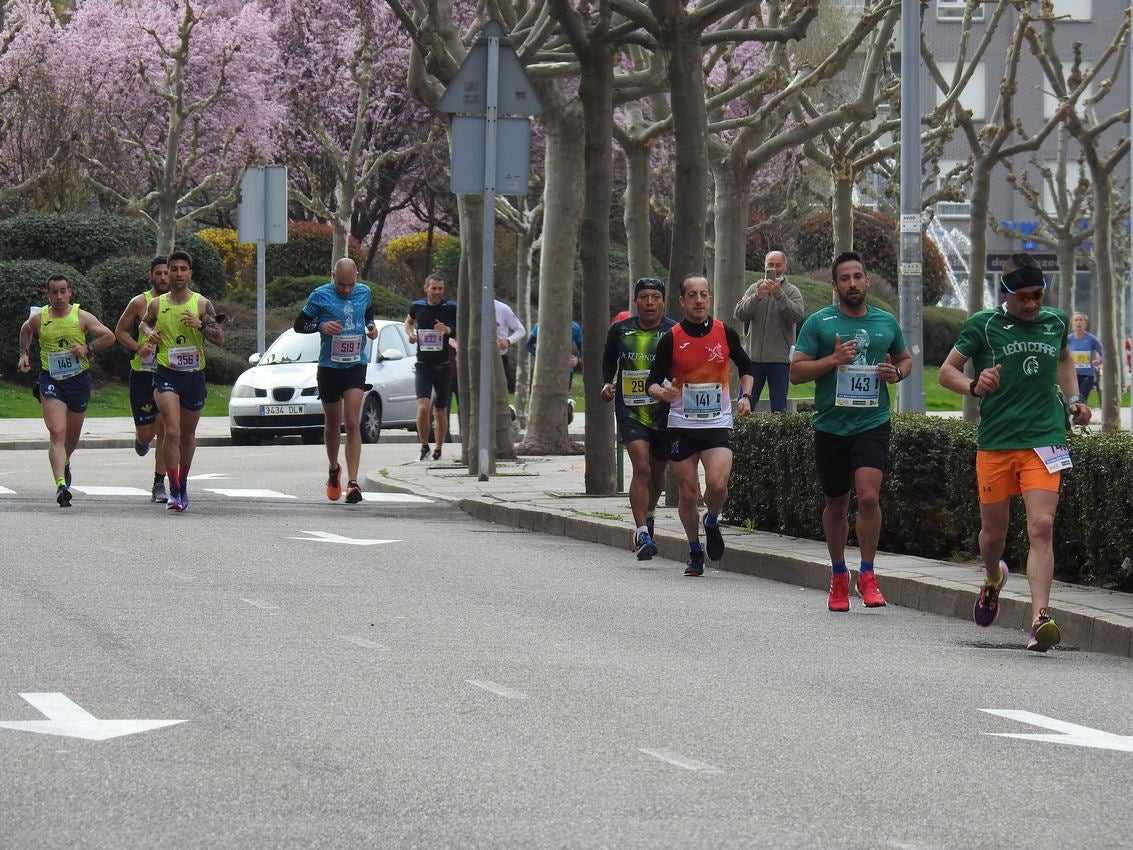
x,y
278,396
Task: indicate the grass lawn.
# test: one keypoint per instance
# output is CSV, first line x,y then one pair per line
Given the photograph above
x,y
16,401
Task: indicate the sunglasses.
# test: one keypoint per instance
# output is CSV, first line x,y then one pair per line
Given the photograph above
x,y
1028,296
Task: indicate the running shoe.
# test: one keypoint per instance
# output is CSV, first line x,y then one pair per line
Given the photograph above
x,y
644,546
713,539
334,487
63,497
649,522
1044,632
424,456
353,493
67,474
437,454
839,592
870,592
695,563
140,448
986,610
175,503
158,493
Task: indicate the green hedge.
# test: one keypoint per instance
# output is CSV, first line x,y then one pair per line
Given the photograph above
x,y
929,497
23,284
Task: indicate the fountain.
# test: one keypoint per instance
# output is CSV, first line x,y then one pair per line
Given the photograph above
x,y
955,246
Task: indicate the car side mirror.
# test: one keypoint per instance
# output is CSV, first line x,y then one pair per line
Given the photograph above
x,y
254,358
391,354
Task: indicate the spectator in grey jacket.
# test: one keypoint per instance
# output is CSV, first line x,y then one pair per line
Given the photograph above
x,y
770,310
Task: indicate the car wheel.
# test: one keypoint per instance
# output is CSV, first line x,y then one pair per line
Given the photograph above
x,y
311,438
371,418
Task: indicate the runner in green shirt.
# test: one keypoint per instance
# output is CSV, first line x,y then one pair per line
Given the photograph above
x,y
851,351
1021,361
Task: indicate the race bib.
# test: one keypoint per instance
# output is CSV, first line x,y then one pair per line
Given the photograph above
x,y
431,340
1055,458
858,386
1081,358
633,387
702,401
186,358
346,348
145,364
63,364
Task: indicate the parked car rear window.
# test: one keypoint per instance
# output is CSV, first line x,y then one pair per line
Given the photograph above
x,y
292,347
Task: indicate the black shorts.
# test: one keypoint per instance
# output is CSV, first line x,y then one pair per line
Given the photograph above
x,y
658,440
435,382
73,392
333,382
838,457
189,386
685,442
142,404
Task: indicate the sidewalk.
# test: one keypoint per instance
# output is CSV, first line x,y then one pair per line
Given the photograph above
x,y
546,494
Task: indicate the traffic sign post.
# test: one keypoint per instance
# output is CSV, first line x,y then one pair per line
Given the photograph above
x,y
261,217
491,155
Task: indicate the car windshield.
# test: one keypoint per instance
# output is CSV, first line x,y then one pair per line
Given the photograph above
x,y
292,347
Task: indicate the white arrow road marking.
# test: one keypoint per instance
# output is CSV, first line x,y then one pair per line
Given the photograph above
x,y
498,690
1066,733
73,721
365,644
4,491
396,498
681,761
91,490
327,537
249,494
208,476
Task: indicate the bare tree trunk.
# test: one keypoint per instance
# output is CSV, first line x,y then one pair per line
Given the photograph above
x,y
977,258
564,161
842,206
470,211
1066,273
166,225
732,186
637,216
523,250
1106,309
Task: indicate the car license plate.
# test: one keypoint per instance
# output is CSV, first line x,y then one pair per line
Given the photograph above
x,y
281,409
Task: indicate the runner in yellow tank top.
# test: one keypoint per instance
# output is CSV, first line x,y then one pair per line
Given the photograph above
x,y
147,424
67,337
178,323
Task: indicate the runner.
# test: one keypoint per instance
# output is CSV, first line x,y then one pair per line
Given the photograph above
x,y
631,345
1021,358
68,336
851,350
177,324
691,375
431,324
341,311
147,424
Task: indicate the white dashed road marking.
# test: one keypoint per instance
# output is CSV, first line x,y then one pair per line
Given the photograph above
x,y
249,494
92,490
396,498
266,606
362,642
498,690
681,761
4,491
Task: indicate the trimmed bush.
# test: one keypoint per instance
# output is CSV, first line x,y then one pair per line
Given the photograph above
x,y
410,251
118,280
941,327
875,238
23,284
293,292
80,240
929,497
307,251
208,270
237,258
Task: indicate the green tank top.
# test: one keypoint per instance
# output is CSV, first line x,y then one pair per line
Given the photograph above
x,y
182,348
56,336
136,361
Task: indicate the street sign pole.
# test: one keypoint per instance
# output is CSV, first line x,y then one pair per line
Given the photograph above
x,y
487,298
261,219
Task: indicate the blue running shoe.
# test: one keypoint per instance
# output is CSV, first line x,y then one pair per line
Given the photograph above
x,y
67,475
644,546
649,520
695,563
63,497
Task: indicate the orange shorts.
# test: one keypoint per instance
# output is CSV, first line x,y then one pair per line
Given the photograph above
x,y
1003,473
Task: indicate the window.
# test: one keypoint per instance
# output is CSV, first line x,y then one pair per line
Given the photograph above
x,y
1078,10
974,95
953,10
1073,169
953,209
390,338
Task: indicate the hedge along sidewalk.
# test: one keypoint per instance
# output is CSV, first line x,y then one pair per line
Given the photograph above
x,y
543,494
929,500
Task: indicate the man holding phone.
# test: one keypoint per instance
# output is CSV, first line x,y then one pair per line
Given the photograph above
x,y
770,310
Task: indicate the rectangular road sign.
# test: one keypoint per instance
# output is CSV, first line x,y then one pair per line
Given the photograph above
x,y
513,155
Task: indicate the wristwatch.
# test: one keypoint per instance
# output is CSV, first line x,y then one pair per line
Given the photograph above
x,y
1074,399
972,388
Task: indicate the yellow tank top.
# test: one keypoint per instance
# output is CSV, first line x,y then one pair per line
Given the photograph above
x,y
182,348
56,336
136,361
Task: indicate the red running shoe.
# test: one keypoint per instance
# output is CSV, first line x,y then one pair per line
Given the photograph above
x,y
839,592
870,592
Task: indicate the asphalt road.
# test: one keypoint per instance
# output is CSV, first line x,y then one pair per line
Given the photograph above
x,y
461,685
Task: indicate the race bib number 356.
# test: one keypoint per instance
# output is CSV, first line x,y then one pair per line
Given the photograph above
x,y
185,358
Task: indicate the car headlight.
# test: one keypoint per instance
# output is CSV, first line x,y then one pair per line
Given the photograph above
x,y
243,391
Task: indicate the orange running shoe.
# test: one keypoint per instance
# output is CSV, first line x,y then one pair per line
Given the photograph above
x,y
334,487
839,592
870,592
